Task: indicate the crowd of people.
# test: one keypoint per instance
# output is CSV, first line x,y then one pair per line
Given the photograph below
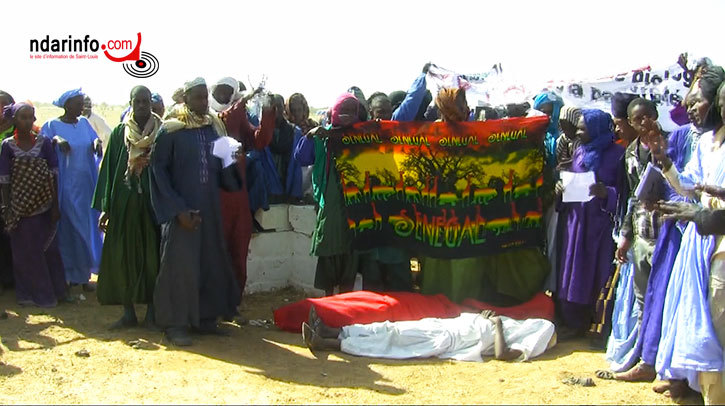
x,y
160,219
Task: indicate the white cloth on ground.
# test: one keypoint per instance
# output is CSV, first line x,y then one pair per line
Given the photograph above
x,y
463,338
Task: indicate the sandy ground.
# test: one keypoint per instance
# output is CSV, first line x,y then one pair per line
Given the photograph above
x,y
263,365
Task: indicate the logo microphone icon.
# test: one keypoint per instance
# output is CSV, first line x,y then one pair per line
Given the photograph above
x,y
137,63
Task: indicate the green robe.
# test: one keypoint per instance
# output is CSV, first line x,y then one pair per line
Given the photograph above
x,y
504,279
7,133
130,257
332,235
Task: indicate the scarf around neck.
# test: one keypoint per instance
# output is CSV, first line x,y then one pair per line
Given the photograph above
x,y
138,142
180,117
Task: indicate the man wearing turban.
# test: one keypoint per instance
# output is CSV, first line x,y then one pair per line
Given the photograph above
x,y
196,284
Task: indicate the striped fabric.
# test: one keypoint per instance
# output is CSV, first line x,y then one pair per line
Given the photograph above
x,y
603,308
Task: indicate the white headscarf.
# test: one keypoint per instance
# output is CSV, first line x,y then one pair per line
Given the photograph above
x,y
231,82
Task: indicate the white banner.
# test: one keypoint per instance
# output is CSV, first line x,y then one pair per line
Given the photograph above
x,y
666,87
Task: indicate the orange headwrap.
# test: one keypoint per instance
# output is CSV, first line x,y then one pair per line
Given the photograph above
x,y
448,106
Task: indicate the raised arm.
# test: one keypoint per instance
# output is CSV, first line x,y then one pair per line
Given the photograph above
x,y
682,182
410,105
238,125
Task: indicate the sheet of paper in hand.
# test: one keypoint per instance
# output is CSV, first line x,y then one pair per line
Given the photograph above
x,y
648,188
225,148
576,186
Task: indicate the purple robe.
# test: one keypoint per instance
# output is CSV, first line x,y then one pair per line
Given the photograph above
x,y
587,248
37,264
663,259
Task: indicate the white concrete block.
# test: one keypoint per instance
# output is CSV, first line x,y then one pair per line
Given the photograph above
x,y
301,245
303,218
280,259
271,245
277,217
303,265
265,274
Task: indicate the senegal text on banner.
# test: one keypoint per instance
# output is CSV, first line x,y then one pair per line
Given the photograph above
x,y
449,190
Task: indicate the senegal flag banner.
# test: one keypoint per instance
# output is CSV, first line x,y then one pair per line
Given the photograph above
x,y
446,190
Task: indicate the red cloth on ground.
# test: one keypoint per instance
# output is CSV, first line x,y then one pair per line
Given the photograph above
x,y
539,307
364,307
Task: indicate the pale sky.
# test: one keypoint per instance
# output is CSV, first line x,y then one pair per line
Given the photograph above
x,y
322,47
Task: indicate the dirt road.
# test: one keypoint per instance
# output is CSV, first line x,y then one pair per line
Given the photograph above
x,y
263,365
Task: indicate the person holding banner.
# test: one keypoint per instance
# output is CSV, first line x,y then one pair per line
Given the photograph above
x,y
587,247
458,279
363,111
393,264
337,263
392,273
504,279
410,105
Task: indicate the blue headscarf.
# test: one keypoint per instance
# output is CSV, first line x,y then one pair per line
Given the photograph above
x,y
552,131
156,98
601,133
60,102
